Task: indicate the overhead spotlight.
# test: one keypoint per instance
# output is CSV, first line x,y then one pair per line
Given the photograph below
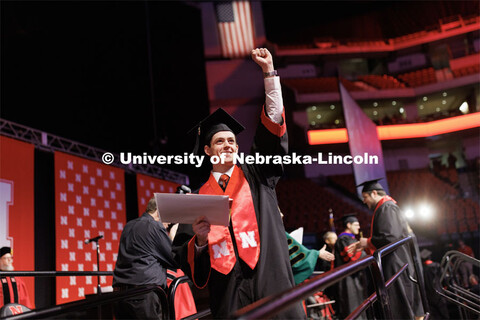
x,y
444,101
409,213
425,98
319,116
375,104
421,107
444,94
394,103
463,107
332,107
401,110
314,108
337,121
375,112
437,109
313,123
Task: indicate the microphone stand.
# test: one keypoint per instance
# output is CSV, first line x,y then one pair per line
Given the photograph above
x,y
99,289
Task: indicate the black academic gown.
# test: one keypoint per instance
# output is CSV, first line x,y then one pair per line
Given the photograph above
x,y
389,225
351,291
437,304
273,273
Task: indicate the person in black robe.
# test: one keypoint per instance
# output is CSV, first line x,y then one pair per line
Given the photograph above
x,y
389,225
144,254
351,290
248,260
432,272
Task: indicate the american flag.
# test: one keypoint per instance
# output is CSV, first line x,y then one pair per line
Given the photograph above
x,y
235,28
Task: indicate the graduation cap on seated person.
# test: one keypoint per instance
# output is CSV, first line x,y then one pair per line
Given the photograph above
x,y
218,121
349,218
371,185
5,250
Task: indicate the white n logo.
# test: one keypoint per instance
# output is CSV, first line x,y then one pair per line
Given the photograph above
x,y
219,250
248,239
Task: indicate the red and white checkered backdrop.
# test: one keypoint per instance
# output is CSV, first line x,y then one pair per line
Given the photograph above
x,y
147,186
16,205
89,201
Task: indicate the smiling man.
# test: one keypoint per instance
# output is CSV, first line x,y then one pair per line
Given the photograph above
x,y
248,260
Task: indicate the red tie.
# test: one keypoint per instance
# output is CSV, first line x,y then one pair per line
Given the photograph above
x,y
223,181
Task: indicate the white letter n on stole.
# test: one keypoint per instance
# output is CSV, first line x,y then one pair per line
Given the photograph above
x,y
248,240
219,250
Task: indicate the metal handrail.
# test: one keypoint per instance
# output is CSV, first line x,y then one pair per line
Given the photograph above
x,y
373,297
269,306
454,293
95,301
172,290
54,273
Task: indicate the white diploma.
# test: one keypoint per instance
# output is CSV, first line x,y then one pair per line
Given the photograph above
x,y
186,208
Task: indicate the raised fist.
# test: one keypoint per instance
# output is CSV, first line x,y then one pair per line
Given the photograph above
x,y
263,58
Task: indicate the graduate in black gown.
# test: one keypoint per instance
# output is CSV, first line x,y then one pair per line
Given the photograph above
x,y
351,290
390,225
248,260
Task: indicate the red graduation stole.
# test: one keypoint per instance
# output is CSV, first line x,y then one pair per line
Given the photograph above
x,y
371,248
244,223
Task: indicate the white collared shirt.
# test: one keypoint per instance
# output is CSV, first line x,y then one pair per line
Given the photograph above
x,y
273,99
217,175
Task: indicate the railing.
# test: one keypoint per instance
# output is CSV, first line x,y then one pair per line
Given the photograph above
x,y
95,301
172,289
270,306
54,273
451,290
167,299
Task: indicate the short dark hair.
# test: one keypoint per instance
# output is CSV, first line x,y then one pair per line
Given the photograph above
x,y
151,206
379,192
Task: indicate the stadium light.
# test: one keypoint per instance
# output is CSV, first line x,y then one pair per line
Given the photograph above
x,y
464,107
409,214
425,212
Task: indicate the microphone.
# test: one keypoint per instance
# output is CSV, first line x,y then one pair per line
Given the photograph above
x,y
94,239
183,189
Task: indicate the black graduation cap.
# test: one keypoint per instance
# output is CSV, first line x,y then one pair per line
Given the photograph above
x,y
5,250
349,218
218,121
371,185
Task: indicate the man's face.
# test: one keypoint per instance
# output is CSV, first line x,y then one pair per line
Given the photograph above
x,y
331,240
6,262
370,199
223,144
354,227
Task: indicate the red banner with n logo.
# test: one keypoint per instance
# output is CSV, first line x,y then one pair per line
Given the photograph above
x,y
147,186
16,205
89,201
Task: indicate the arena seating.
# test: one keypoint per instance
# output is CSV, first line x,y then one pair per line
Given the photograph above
x,y
382,82
319,85
306,204
465,71
419,77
